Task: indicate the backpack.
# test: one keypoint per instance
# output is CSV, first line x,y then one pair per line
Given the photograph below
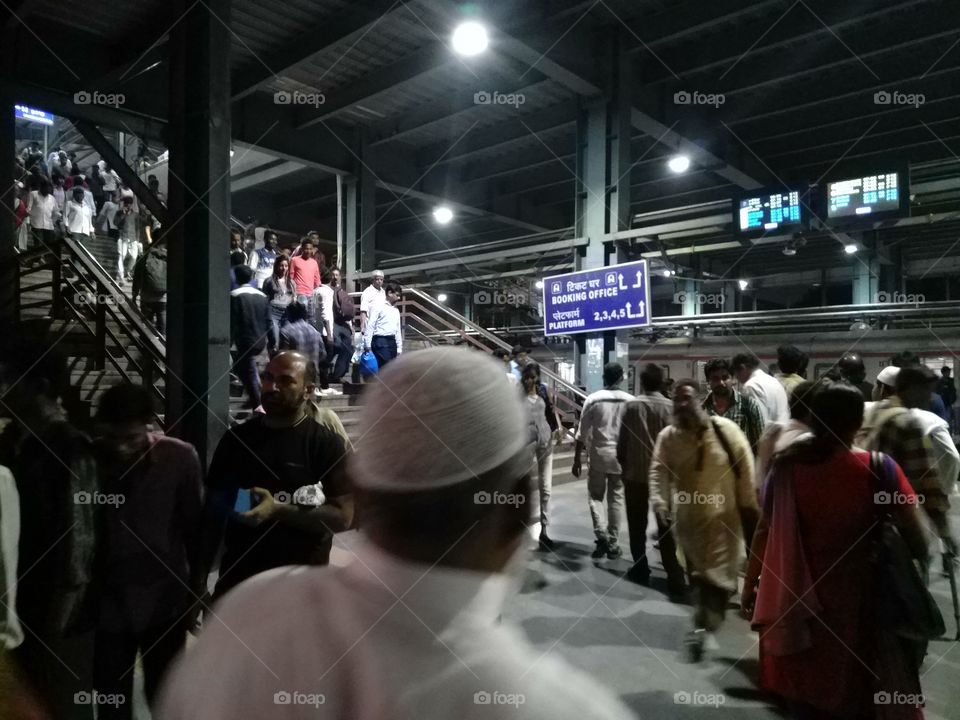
x,y
344,309
155,270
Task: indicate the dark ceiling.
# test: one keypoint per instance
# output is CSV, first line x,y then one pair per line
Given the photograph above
x,y
799,82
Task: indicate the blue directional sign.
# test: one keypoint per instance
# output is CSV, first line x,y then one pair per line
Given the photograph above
x,y
33,115
609,298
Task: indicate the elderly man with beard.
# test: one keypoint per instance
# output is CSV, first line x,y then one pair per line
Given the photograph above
x,y
262,463
707,461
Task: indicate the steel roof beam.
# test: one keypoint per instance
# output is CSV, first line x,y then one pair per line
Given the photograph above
x,y
326,33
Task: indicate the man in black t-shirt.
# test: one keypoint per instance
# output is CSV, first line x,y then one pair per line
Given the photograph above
x,y
271,456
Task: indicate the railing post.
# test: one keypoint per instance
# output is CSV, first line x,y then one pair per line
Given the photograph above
x,y
56,277
100,353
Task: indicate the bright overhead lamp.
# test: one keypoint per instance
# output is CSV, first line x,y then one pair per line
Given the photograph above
x,y
443,214
744,284
667,273
469,38
850,248
538,284
442,297
679,163
790,249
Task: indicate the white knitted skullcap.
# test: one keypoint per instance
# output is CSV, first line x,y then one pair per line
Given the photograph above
x,y
888,376
439,417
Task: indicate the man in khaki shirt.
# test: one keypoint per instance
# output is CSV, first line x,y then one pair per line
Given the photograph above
x,y
702,469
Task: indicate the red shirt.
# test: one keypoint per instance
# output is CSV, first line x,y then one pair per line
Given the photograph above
x,y
305,274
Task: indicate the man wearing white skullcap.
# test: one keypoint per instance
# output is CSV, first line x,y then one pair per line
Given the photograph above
x,y
410,630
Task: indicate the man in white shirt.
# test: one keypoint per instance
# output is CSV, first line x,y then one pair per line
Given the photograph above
x,y
411,629
128,241
371,295
384,334
765,389
111,180
598,433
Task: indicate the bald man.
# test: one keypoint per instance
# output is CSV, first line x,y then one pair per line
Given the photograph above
x,y
262,462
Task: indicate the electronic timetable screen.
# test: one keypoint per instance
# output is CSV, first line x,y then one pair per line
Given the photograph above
x,y
769,212
864,195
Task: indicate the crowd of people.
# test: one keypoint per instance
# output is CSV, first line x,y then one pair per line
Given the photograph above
x,y
288,298
767,486
770,486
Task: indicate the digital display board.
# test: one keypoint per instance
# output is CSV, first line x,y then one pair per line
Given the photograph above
x,y
33,115
608,298
867,195
769,211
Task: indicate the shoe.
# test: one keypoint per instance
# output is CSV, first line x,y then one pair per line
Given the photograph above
x,y
639,573
600,550
317,392
693,645
546,543
614,551
331,391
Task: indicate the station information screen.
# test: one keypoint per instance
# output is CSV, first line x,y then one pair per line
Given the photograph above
x,y
769,212
866,195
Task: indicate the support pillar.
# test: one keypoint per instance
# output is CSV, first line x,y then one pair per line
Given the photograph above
x,y
9,267
866,279
351,232
603,202
368,210
198,316
690,292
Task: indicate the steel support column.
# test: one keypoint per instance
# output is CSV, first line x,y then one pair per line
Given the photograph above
x,y
9,267
351,232
603,202
368,209
198,340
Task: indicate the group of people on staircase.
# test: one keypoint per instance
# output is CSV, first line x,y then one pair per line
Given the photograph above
x,y
290,299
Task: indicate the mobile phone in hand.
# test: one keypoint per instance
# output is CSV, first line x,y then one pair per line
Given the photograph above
x,y
244,501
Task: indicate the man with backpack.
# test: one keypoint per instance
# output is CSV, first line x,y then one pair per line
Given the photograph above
x,y
344,312
708,461
150,285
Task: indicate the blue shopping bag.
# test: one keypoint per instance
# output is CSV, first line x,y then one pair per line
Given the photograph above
x,y
368,364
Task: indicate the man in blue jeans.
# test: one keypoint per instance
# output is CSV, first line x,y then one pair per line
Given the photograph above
x,y
251,331
384,334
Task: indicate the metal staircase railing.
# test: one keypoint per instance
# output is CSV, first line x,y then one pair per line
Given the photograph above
x,y
83,292
432,321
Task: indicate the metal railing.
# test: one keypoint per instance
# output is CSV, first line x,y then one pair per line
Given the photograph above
x,y
433,321
83,292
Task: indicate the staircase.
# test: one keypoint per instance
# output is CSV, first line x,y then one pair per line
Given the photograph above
x,y
69,293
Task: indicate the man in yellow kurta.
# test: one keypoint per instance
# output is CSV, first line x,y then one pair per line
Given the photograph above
x,y
702,471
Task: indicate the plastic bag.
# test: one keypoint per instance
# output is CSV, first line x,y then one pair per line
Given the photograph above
x,y
368,364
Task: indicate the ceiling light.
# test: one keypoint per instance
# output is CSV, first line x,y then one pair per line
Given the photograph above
x,y
789,249
667,272
470,38
442,297
743,284
538,284
443,214
850,248
678,163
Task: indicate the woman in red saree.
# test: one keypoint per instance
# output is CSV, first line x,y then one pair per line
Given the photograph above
x,y
810,584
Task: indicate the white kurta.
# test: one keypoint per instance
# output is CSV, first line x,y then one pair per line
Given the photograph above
x,y
378,639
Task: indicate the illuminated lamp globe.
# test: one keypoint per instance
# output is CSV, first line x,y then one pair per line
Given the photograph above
x,y
443,214
442,297
850,248
469,39
679,163
538,284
